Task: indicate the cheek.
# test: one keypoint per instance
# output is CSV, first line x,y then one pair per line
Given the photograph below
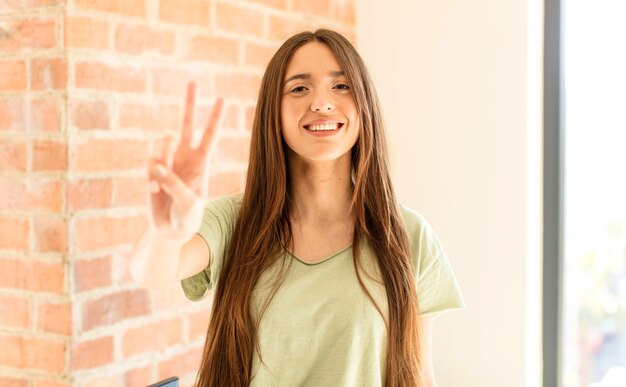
x,y
283,113
287,115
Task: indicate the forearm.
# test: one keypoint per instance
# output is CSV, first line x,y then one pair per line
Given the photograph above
x,y
154,260
428,380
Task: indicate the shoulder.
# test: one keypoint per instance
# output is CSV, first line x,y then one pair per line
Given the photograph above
x,y
224,206
414,222
425,244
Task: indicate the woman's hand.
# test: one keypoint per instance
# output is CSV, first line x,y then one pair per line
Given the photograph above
x,y
179,181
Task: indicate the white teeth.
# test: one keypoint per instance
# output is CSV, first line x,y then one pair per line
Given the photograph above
x,y
332,126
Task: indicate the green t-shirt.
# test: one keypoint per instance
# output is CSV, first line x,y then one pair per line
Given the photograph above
x,y
321,329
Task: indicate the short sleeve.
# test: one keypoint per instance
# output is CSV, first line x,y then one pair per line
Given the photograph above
x,y
217,227
437,288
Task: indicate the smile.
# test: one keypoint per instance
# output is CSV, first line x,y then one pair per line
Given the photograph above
x,y
324,127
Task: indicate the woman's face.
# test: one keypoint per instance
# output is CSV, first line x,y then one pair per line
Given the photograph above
x,y
318,114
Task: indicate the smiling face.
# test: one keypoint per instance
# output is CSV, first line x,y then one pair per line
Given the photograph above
x,y
318,114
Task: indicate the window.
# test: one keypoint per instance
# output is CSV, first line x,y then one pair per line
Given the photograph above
x,y
586,198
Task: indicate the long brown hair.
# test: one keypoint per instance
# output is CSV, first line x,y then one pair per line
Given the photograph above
x,y
231,338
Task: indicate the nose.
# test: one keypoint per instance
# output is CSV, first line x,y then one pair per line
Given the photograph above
x,y
322,102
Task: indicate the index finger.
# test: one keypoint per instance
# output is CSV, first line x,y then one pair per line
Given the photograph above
x,y
187,134
209,133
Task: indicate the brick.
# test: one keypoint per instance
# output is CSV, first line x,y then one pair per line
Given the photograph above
x,y
122,7
12,382
14,312
85,32
25,114
31,195
319,8
250,112
135,115
230,117
44,115
12,114
169,299
30,353
93,353
51,383
102,232
114,308
194,12
150,117
174,82
121,272
49,156
12,75
139,39
14,233
233,149
13,154
55,318
95,154
280,4
87,115
104,381
123,78
138,377
143,339
50,234
344,11
225,183
29,4
48,74
237,86
31,275
258,55
92,274
242,20
282,28
198,324
184,363
130,192
29,34
214,49
88,194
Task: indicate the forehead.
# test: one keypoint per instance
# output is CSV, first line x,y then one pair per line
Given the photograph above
x,y
312,58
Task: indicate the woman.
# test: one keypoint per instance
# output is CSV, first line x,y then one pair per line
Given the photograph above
x,y
316,270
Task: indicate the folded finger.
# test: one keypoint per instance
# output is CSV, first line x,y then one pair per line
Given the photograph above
x,y
173,186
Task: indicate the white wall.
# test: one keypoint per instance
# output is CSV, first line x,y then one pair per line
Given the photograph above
x,y
460,86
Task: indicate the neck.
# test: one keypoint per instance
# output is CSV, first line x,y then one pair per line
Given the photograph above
x,y
321,191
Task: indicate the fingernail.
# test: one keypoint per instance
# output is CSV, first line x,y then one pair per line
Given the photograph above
x,y
161,170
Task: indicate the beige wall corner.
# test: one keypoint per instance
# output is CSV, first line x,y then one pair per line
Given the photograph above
x,y
460,84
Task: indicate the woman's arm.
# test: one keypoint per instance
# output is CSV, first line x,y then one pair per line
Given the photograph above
x,y
428,373
157,262
170,249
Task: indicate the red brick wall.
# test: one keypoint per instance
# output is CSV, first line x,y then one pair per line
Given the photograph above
x,y
88,90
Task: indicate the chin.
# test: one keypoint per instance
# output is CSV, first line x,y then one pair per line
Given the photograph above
x,y
326,156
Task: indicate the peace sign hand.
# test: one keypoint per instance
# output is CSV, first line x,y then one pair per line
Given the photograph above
x,y
180,179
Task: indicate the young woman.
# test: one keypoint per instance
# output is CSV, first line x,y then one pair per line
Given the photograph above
x,y
316,271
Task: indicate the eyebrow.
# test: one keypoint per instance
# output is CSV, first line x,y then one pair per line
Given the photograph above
x,y
334,74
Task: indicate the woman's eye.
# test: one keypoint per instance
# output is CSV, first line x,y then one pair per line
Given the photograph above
x,y
342,86
298,89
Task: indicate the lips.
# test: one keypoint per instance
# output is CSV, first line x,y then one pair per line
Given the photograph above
x,y
315,128
323,125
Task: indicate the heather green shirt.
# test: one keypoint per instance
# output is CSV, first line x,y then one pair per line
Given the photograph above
x,y
321,329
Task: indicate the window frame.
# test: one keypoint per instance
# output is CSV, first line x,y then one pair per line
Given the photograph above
x,y
553,184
